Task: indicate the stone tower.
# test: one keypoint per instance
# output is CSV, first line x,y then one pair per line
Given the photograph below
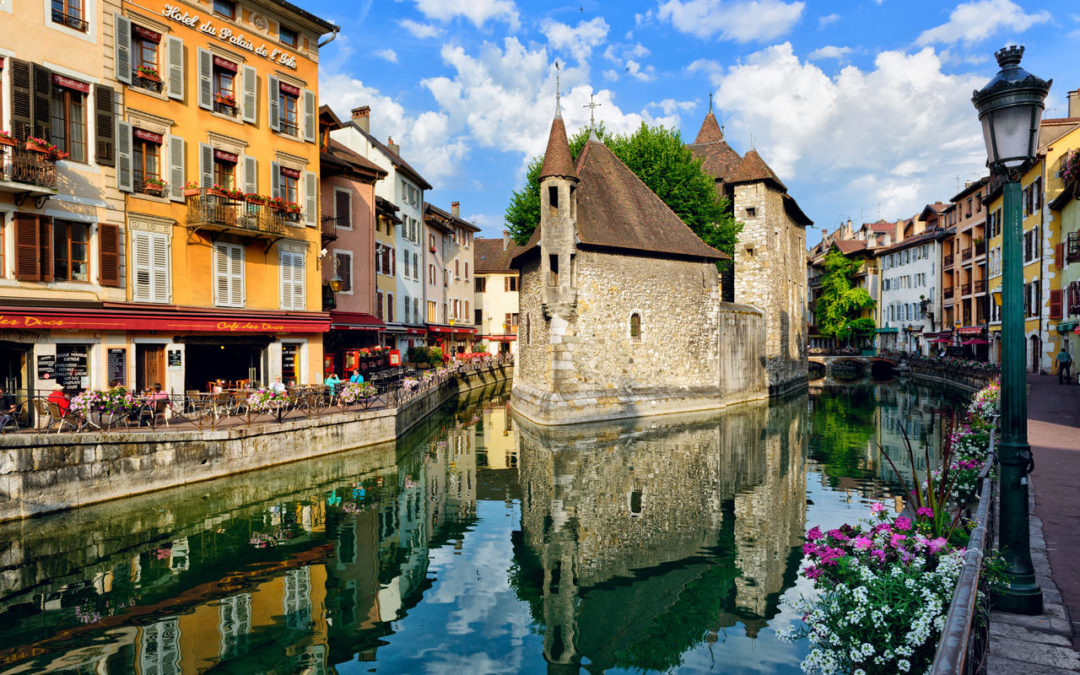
x,y
558,224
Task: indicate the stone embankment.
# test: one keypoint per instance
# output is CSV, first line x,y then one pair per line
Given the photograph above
x,y
44,473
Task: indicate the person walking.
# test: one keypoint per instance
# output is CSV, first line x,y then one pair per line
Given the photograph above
x,y
1064,361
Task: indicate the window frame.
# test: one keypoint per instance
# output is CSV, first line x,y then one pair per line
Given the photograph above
x,y
231,14
346,281
70,11
138,162
295,42
68,242
64,104
285,125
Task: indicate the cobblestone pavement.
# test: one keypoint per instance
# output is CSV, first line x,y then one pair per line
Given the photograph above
x,y
1047,643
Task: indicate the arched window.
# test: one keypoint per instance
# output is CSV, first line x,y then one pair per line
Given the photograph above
x,y
635,326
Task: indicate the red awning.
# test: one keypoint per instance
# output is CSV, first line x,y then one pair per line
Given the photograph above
x,y
499,338
118,317
450,330
970,330
355,321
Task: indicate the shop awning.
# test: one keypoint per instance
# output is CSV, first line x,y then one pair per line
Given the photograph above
x,y
887,329
499,338
440,329
970,330
1066,326
401,329
354,321
122,317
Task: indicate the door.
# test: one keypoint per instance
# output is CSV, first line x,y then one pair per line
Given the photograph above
x,y
149,366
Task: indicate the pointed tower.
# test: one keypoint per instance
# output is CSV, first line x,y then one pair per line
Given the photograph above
x,y
558,223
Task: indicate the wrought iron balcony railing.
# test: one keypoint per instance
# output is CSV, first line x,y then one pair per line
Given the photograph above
x,y
980,286
208,209
948,292
28,167
948,260
967,253
73,21
965,289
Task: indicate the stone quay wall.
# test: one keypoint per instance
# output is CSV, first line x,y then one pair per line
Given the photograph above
x,y
43,473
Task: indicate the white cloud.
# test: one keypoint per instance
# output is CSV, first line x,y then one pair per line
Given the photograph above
x,y
611,76
858,127
670,106
579,41
646,74
829,52
973,22
826,20
738,20
387,55
420,30
476,11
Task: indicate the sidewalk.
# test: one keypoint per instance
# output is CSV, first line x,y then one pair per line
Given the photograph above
x,y
1040,644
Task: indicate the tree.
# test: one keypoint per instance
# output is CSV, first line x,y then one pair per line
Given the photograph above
x,y
659,158
838,311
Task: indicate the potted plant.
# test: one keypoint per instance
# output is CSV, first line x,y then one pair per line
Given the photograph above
x,y
6,139
233,193
191,189
148,73
254,198
278,203
154,186
39,145
216,190
225,99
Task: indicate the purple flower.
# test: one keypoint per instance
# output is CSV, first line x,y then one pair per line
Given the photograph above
x,y
813,572
814,534
838,535
879,554
925,511
903,524
897,540
936,545
863,542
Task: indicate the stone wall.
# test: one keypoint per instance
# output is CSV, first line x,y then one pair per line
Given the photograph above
x,y
770,273
43,473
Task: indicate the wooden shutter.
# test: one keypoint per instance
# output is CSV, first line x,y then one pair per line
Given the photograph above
x,y
206,165
122,39
124,179
22,100
236,276
109,254
1059,255
45,247
292,280
177,173
174,67
309,115
206,75
343,208
42,101
284,279
221,274
311,199
251,175
141,267
1055,304
275,179
273,104
249,106
229,275
104,105
27,261
393,263
159,268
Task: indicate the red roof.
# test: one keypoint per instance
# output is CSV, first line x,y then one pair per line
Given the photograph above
x,y
557,160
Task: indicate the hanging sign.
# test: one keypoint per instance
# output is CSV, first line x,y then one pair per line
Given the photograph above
x,y
226,156
289,89
46,366
226,34
146,34
289,173
148,136
68,83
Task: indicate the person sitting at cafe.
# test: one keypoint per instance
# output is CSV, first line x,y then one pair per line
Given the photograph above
x,y
157,394
278,386
332,381
8,411
356,378
60,397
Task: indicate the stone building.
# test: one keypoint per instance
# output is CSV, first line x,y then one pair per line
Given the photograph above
x,y
620,302
770,256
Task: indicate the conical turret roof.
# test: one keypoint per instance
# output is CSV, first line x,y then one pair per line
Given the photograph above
x,y
557,159
752,168
717,157
710,130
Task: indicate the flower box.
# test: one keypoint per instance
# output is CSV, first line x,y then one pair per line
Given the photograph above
x,y
255,199
7,140
155,190
191,192
147,74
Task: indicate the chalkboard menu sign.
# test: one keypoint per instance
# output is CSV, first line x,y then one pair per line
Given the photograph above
x,y
175,358
72,366
288,363
117,365
46,366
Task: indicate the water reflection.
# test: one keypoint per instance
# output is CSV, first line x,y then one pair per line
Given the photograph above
x,y
475,544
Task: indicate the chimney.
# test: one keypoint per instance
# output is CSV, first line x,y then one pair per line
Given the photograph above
x,y
1074,103
362,117
393,146
455,209
506,240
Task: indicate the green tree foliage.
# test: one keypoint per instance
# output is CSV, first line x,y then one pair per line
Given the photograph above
x,y
838,312
660,159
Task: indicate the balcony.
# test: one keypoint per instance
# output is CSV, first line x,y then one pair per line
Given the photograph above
x,y
26,173
1072,247
967,254
980,285
948,260
980,248
210,211
330,225
948,292
965,288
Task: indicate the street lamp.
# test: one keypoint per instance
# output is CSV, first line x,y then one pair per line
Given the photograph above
x,y
1010,109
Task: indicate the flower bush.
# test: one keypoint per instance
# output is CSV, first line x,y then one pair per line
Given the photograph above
x,y
886,589
1070,166
265,400
363,392
985,405
410,384
112,402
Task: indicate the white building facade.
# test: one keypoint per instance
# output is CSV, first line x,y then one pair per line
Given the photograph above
x,y
909,304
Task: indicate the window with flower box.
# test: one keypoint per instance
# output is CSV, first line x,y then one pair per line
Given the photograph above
x,y
225,169
68,108
145,71
224,81
146,162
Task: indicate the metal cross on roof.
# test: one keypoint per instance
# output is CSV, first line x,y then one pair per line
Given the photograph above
x,y
558,92
710,101
592,106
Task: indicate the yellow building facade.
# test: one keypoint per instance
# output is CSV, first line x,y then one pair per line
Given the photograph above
x,y
218,155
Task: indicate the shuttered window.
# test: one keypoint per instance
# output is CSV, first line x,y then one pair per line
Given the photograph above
x,y
109,255
311,199
150,262
104,107
291,264
174,69
33,250
228,275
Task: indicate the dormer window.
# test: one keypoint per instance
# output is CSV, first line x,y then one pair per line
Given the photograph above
x,y
288,36
226,8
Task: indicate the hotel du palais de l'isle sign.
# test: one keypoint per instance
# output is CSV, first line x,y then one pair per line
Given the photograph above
x,y
226,34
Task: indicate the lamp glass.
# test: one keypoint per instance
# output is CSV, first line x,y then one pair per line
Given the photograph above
x,y
1011,140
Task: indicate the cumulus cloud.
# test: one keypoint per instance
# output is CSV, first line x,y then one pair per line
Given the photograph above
x,y
859,126
639,73
973,22
476,11
737,20
829,52
387,55
579,40
670,106
420,30
827,20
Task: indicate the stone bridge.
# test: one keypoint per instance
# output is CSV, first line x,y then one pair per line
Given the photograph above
x,y
851,366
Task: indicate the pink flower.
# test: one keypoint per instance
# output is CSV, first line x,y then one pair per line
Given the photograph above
x,y
877,507
897,540
879,554
903,524
813,572
863,542
838,535
925,511
936,545
814,534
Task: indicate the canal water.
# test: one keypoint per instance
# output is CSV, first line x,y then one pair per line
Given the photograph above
x,y
476,544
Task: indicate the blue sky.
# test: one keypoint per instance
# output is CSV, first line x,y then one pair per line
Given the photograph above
x,y
863,107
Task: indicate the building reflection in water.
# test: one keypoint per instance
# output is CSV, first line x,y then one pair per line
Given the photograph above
x,y
645,538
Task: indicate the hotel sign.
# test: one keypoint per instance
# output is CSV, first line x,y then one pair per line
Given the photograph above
x,y
226,34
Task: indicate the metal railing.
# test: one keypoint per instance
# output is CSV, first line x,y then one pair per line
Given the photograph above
x,y
980,248
967,253
948,260
210,208
980,286
965,288
948,292
1072,247
70,20
27,166
965,636
330,225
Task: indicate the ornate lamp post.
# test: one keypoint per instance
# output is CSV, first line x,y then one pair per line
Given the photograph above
x,y
1010,109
